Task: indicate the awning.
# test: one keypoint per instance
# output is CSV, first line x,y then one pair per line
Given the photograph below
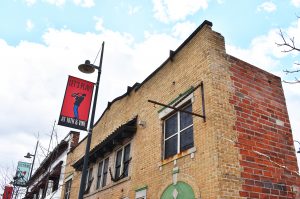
x,y
123,132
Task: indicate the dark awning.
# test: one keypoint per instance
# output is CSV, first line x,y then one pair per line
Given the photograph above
x,y
123,132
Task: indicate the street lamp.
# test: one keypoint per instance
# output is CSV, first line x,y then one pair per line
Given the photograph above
x,y
88,68
29,155
299,144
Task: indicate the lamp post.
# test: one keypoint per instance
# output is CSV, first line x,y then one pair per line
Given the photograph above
x,y
87,67
29,155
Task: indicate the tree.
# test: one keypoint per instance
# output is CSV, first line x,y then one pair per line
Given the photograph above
x,y
288,45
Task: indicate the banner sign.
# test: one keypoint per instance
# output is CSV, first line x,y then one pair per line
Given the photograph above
x,y
22,174
76,105
8,192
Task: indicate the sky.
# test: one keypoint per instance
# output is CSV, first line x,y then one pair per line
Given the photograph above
x,y
43,41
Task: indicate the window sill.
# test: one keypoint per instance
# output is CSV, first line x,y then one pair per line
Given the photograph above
x,y
108,186
190,151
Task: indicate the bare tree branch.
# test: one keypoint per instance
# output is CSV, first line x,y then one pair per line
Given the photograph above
x,y
289,44
291,71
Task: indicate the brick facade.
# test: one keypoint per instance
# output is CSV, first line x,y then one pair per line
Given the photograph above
x,y
245,109
264,135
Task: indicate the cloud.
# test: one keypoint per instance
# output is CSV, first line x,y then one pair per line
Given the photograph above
x,y
267,6
262,51
184,29
133,10
29,25
85,3
56,2
296,3
99,24
174,10
30,2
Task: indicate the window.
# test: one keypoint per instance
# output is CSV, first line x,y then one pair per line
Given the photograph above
x,y
141,193
102,173
178,132
68,189
122,162
89,179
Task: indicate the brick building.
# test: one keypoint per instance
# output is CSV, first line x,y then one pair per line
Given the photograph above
x,y
47,180
237,144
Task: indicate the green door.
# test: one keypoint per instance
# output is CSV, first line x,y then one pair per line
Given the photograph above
x,y
179,191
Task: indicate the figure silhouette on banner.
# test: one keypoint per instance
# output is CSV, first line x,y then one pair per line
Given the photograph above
x,y
79,97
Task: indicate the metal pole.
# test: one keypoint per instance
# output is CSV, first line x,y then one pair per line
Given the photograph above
x,y
89,135
36,146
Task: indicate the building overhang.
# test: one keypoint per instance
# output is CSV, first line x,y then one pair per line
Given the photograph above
x,y
122,133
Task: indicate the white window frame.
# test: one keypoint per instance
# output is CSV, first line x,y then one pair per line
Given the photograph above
x,y
168,111
179,131
122,159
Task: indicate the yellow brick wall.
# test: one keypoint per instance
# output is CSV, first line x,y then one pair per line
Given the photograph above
x,y
214,171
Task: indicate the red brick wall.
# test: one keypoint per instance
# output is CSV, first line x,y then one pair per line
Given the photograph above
x,y
264,134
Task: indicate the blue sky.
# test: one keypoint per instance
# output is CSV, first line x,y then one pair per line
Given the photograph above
x,y
43,41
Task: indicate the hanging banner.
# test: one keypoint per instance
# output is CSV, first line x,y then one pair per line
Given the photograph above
x,y
76,105
8,192
22,174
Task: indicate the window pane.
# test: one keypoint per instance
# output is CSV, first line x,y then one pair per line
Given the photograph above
x,y
126,153
105,170
119,158
186,139
185,118
126,159
99,174
171,146
171,126
118,164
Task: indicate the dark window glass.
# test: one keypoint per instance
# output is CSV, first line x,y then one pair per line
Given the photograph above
x,y
118,164
126,159
100,167
186,139
171,126
185,118
55,184
171,146
105,170
183,121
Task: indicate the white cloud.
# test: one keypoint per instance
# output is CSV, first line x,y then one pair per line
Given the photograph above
x,y
267,6
85,3
30,2
296,3
99,23
262,52
56,2
184,29
29,25
133,10
174,10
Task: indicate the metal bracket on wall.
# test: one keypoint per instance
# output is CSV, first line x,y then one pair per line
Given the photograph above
x,y
188,112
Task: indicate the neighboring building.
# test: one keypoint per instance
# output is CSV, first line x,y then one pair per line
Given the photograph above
x,y
242,148
47,180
